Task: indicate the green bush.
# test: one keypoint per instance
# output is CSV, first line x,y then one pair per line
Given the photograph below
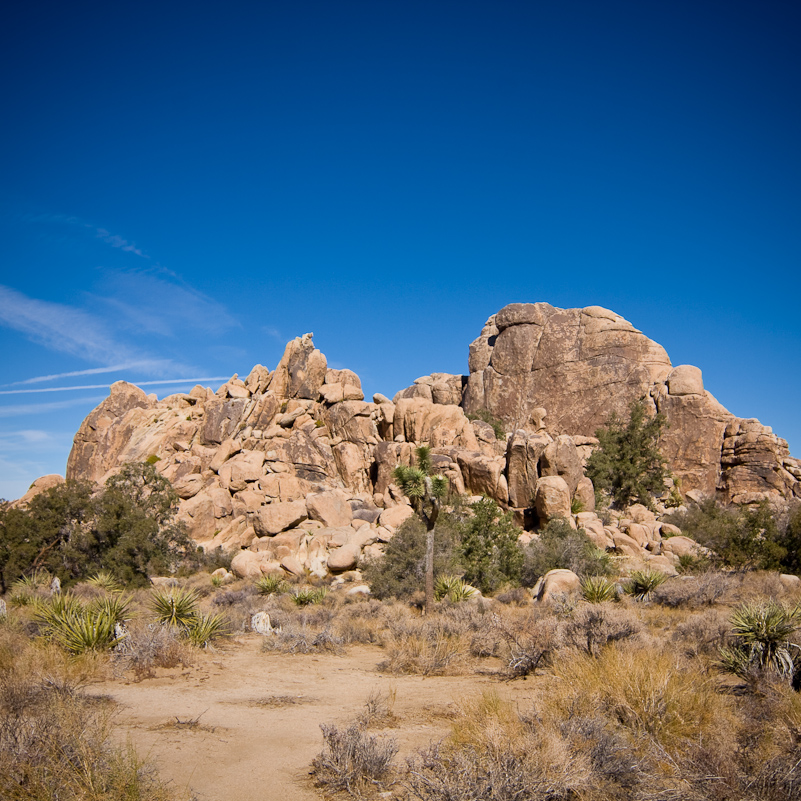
x,y
627,463
738,537
127,530
559,545
489,551
400,572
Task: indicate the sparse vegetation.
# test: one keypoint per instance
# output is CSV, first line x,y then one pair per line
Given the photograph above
x,y
487,417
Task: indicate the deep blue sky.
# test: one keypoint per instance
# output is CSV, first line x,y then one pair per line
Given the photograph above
x,y
187,186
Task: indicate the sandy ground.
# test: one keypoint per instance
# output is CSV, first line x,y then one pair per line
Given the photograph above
x,y
244,725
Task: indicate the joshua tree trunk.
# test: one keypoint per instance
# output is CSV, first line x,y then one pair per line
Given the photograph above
x,y
429,570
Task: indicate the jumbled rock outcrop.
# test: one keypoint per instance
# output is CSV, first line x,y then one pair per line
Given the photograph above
x,y
294,469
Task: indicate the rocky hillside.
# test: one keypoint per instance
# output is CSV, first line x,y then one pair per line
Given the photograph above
x,y
294,467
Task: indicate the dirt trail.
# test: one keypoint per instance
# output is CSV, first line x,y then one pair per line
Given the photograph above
x,y
259,714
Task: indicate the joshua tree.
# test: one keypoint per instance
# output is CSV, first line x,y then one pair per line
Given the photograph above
x,y
425,493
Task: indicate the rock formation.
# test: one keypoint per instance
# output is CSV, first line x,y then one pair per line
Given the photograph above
x,y
293,468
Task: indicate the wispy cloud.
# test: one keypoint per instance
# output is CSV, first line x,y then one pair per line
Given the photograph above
x,y
61,328
157,301
163,382
28,436
44,408
273,332
115,240
146,365
118,242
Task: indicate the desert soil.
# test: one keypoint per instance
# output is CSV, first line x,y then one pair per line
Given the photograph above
x,y
244,725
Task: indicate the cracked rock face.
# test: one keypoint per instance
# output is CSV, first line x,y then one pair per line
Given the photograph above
x,y
579,364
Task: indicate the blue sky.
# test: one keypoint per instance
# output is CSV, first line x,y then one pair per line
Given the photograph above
x,y
187,186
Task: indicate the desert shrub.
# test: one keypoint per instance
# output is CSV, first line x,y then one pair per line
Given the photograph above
x,y
528,642
302,639
657,698
56,743
703,589
738,537
559,545
627,463
148,646
352,760
230,598
493,754
128,529
487,417
489,553
400,572
690,563
213,560
427,646
790,540
703,633
516,596
593,627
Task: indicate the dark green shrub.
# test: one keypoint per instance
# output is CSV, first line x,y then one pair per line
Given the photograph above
x,y
559,545
489,551
627,463
127,529
400,572
739,538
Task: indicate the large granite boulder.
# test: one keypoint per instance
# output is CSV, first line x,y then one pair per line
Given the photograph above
x,y
579,364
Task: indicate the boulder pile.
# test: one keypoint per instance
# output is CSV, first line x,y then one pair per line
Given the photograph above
x,y
293,468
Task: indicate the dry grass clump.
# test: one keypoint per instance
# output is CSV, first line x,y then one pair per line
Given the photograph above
x,y
594,626
302,639
54,741
353,761
631,723
703,589
494,754
148,646
527,641
427,646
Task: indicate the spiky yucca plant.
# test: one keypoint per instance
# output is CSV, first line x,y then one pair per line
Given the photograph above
x,y
76,628
304,596
269,585
642,583
103,580
598,589
205,628
453,588
116,607
763,632
175,607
